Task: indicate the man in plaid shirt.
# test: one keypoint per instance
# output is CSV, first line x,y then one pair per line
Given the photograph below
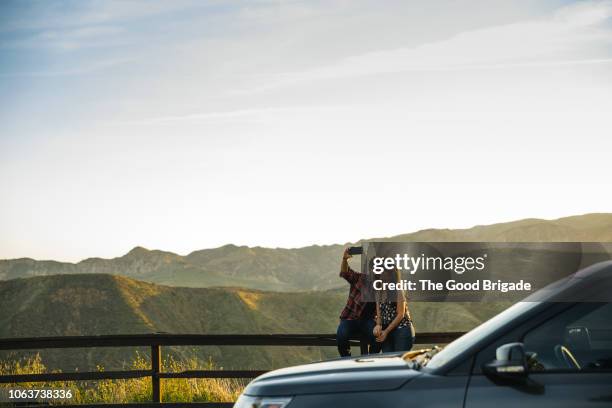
x,y
357,317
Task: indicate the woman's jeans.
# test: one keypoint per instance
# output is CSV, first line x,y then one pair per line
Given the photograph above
x,y
358,328
400,339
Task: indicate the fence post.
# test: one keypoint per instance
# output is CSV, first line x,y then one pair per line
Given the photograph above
x,y
155,370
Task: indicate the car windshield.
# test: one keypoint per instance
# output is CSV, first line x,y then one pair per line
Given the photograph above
x,y
472,337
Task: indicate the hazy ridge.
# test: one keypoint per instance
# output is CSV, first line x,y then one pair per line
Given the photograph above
x,y
308,268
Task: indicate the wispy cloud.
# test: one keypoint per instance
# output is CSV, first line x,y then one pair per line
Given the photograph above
x,y
70,39
230,116
577,34
53,15
81,69
73,25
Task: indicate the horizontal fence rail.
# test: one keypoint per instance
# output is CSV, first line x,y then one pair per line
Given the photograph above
x,y
157,340
166,339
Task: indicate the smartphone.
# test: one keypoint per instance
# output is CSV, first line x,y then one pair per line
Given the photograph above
x,y
355,250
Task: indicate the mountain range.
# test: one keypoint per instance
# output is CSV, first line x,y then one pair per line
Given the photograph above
x,y
309,268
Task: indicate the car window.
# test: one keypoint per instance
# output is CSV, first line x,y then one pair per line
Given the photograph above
x,y
580,338
477,334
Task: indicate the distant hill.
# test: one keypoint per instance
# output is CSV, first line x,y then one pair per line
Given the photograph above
x,y
109,304
579,228
309,268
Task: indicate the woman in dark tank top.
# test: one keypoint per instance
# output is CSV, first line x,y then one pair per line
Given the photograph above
x,y
394,328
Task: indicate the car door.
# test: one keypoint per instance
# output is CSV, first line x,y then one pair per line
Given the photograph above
x,y
569,360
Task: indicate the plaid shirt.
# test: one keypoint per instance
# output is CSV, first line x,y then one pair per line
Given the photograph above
x,y
355,308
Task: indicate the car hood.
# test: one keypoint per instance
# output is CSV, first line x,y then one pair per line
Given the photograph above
x,y
353,374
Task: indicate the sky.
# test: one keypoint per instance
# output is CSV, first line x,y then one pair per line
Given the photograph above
x,y
182,125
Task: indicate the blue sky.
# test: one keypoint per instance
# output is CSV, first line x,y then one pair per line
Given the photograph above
x,y
182,125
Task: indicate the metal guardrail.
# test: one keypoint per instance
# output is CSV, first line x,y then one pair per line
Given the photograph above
x,y
157,340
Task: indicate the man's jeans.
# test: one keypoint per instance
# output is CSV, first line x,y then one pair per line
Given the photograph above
x,y
359,328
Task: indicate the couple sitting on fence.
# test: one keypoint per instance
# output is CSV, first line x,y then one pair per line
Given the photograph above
x,y
385,324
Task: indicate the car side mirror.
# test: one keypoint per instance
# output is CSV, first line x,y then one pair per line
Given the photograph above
x,y
510,362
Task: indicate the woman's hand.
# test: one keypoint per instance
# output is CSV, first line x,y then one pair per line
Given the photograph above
x,y
377,330
382,336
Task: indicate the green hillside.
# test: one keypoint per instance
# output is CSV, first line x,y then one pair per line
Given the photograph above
x,y
309,268
106,304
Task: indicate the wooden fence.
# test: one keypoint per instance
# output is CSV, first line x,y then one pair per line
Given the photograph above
x,y
157,340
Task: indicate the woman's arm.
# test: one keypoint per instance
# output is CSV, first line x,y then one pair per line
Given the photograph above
x,y
400,311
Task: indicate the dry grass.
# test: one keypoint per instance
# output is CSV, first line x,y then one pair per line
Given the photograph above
x,y
133,390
